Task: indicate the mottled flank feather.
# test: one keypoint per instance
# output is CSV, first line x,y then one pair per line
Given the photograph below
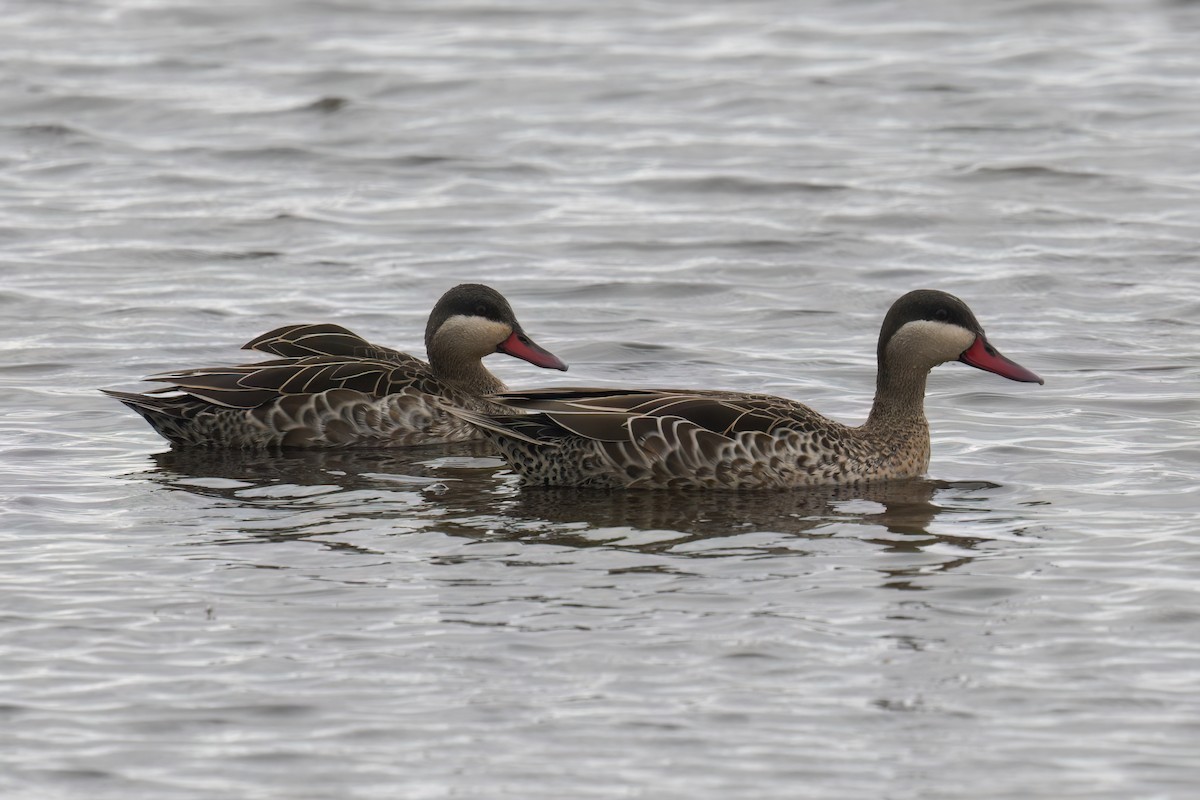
x,y
296,403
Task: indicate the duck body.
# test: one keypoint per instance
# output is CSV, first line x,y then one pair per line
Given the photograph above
x,y
331,388
664,439
657,439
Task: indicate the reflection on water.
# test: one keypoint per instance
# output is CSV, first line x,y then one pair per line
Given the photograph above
x,y
219,473
724,197
464,491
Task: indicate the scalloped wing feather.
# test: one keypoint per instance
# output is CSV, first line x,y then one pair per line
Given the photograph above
x,y
251,385
727,413
321,339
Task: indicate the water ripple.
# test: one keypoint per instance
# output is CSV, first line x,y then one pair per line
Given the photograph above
x,y
702,197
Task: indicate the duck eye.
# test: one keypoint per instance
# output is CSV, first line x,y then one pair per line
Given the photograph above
x,y
941,315
481,311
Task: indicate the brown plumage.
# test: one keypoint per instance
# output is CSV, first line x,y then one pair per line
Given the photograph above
x,y
619,438
332,388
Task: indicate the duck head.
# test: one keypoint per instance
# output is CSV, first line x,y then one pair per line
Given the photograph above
x,y
927,327
472,320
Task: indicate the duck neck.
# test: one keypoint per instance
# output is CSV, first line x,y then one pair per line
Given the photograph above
x,y
899,408
465,373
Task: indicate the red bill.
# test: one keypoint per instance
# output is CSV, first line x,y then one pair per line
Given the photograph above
x,y
521,346
982,355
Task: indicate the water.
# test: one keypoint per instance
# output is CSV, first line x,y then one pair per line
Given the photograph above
x,y
723,195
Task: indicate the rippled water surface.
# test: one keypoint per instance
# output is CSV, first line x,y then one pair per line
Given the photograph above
x,y
698,195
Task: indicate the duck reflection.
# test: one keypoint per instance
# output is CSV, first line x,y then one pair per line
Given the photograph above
x,y
896,516
224,473
464,491
900,507
314,495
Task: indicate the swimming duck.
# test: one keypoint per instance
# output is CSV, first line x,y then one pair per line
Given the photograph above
x,y
629,438
332,388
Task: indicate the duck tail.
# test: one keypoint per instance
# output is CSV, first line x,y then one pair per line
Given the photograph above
x,y
523,427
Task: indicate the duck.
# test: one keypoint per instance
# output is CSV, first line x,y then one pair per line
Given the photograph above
x,y
668,438
330,388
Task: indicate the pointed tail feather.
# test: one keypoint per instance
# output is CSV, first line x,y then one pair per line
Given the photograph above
x,y
143,403
510,427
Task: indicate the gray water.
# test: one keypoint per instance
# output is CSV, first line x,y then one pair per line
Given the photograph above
x,y
707,195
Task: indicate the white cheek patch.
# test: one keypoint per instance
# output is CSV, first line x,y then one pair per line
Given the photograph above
x,y
927,343
476,335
